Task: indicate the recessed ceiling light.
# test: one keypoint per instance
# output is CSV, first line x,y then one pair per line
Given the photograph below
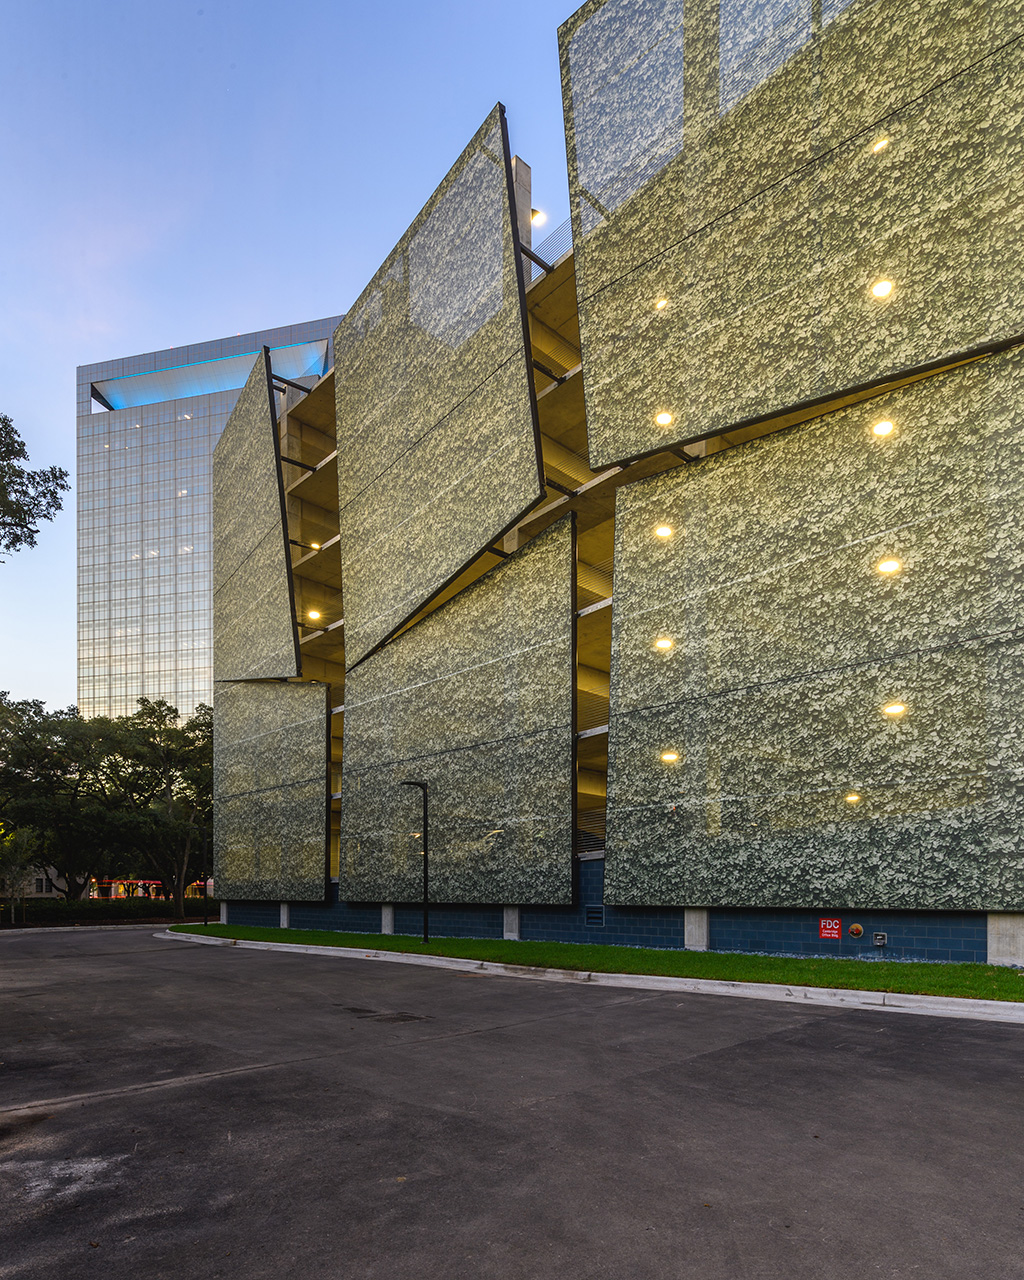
x,y
880,145
661,304
663,419
315,546
670,757
314,615
852,797
883,428
882,288
894,709
663,642
889,566
663,531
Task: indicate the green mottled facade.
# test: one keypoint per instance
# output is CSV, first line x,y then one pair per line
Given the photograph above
x,y
684,567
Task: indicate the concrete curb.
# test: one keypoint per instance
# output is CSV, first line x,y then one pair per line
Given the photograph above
x,y
833,997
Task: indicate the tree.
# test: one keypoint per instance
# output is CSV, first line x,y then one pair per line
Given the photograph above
x,y
109,796
18,854
51,781
26,497
163,772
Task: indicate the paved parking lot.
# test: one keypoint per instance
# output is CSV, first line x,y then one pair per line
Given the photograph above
x,y
216,1112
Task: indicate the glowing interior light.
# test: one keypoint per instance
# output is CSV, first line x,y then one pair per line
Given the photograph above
x,y
894,709
661,304
670,757
880,145
313,615
884,428
315,546
663,642
889,566
538,217
663,531
852,797
882,288
663,419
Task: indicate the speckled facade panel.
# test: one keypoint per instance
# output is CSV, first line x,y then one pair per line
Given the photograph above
x,y
804,169
812,579
437,432
476,699
254,632
270,783
417,525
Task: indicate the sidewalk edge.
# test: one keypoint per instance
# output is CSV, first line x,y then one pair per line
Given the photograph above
x,y
832,997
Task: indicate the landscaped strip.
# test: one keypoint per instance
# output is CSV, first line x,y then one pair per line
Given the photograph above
x,y
965,981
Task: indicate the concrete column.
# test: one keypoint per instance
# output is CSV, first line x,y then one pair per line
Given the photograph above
x,y
523,188
695,929
223,913
511,923
387,917
286,916
1006,937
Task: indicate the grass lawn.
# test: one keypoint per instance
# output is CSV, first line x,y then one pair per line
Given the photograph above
x,y
972,981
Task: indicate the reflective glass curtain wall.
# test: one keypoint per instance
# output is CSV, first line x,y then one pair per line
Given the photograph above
x,y
144,529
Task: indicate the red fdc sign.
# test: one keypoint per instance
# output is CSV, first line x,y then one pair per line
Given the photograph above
x,y
830,927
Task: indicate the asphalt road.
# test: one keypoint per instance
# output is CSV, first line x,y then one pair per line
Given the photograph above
x,y
212,1112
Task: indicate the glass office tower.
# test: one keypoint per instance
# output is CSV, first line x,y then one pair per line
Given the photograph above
x,y
147,427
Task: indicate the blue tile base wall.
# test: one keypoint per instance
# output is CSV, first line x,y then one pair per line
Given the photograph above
x,y
911,935
259,915
623,926
451,921
345,917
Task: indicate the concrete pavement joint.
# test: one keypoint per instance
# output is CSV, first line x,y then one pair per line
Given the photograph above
x,y
832,997
147,1086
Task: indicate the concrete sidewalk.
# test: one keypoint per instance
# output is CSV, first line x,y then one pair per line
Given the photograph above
x,y
833,997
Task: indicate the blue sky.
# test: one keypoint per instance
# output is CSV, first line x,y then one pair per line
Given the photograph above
x,y
177,172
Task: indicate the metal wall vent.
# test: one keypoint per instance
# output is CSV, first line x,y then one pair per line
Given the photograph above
x,y
593,916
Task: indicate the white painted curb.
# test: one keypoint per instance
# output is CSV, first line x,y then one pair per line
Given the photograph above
x,y
833,997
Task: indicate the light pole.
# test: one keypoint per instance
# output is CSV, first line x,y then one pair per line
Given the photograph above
x,y
426,849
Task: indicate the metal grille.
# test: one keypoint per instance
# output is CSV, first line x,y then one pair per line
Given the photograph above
x,y
551,248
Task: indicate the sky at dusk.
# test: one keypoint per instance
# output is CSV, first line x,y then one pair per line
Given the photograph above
x,y
176,172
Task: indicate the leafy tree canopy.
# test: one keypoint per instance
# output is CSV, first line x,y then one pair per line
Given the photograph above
x,y
26,497
110,797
